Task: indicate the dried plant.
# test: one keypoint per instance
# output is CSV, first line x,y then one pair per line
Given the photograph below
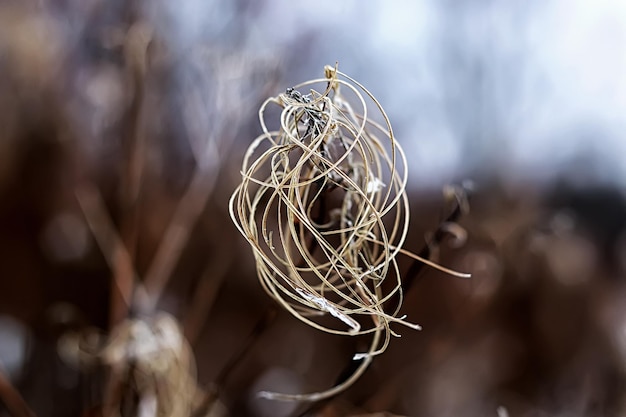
x,y
324,207
149,356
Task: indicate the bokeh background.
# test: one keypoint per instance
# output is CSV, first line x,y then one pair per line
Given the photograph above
x,y
130,119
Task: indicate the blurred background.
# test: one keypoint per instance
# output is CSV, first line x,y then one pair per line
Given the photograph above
x,y
122,129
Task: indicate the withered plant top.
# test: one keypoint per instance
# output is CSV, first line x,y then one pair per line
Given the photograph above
x,y
323,204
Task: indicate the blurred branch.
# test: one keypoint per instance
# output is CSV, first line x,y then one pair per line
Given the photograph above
x,y
136,45
136,42
460,198
208,140
204,296
110,243
12,399
176,236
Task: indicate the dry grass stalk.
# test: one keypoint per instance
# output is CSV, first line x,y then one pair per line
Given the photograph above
x,y
323,204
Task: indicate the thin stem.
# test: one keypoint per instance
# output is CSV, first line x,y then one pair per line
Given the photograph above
x,y
460,208
110,243
264,322
138,37
203,299
176,236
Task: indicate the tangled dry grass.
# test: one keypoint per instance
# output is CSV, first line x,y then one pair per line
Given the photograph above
x,y
323,204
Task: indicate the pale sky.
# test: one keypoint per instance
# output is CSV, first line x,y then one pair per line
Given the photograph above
x,y
552,73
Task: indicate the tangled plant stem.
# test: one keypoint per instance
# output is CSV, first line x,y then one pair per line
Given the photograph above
x,y
323,204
